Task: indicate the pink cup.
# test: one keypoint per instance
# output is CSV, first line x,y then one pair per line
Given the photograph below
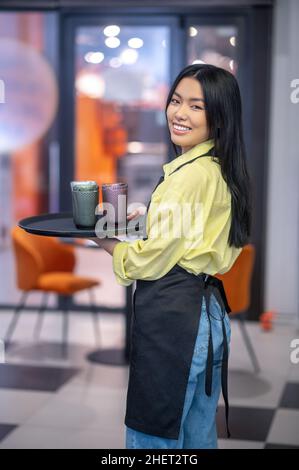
x,y
115,197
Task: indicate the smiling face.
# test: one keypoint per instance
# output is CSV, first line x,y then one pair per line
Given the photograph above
x,y
186,115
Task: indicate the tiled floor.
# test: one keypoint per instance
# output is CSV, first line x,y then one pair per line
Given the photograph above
x,y
49,400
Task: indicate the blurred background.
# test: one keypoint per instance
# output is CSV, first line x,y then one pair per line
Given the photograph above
x,y
83,86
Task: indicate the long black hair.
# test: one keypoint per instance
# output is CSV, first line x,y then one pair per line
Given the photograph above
x,y
224,119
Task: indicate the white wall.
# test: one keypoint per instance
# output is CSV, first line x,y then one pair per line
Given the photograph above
x,y
282,254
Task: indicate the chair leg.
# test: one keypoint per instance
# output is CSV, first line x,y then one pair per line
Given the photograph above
x,y
40,316
65,326
249,346
65,330
15,318
94,316
64,302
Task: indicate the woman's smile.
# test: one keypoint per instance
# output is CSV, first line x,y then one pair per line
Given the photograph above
x,y
179,129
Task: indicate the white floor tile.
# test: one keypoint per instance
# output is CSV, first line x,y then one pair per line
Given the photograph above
x,y
37,437
293,374
235,444
272,349
104,409
285,428
97,377
16,406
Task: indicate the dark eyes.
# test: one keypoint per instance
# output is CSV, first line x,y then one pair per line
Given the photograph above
x,y
174,100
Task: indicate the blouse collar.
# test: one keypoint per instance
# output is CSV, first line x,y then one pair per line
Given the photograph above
x,y
196,151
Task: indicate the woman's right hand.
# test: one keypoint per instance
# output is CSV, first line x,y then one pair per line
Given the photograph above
x,y
136,213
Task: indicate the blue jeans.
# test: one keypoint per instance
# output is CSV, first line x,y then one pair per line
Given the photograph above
x,y
198,423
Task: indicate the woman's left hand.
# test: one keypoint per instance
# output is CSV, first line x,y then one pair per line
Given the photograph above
x,y
107,244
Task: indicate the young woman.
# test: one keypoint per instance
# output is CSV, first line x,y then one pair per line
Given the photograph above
x,y
180,328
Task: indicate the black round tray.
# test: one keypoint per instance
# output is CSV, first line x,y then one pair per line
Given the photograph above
x,y
62,225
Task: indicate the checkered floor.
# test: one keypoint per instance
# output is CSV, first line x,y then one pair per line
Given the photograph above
x,y
52,400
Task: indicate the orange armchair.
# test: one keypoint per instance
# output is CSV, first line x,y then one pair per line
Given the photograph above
x,y
237,283
47,265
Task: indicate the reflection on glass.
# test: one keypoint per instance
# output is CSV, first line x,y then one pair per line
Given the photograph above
x,y
215,45
27,114
27,58
122,80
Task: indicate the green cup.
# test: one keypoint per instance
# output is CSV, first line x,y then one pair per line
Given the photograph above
x,y
85,199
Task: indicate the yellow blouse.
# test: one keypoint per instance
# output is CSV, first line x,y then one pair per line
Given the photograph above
x,y
201,191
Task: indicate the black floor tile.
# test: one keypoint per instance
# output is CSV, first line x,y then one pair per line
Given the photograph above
x,y
250,424
5,429
280,446
46,350
46,379
290,396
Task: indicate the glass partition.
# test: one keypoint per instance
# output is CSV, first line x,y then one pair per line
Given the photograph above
x,y
121,82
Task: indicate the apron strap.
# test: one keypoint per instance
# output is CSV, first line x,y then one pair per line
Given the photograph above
x,y
224,374
211,280
210,357
209,152
214,281
161,179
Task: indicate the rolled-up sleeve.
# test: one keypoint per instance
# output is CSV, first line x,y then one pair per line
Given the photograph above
x,y
122,261
145,259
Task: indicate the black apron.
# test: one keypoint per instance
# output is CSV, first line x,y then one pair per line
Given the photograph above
x,y
166,315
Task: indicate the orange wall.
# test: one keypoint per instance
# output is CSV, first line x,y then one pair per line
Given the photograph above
x,y
100,140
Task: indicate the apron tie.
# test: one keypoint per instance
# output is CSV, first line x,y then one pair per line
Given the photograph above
x,y
213,281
